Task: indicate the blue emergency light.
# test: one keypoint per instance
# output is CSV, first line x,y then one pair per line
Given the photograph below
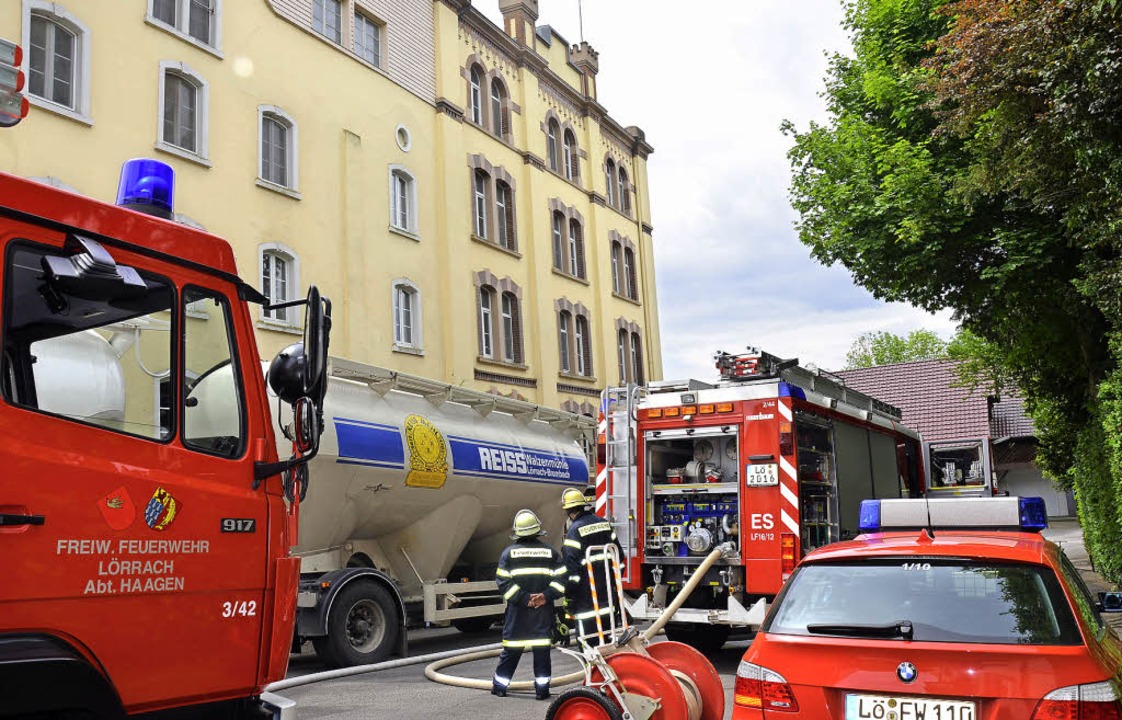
x,y
982,513
147,186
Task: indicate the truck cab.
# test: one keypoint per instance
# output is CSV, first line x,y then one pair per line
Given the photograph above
x,y
144,525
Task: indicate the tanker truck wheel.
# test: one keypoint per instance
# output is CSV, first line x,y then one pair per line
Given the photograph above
x,y
705,639
583,704
362,627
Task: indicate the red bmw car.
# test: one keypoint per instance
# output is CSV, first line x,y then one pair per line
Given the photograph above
x,y
951,609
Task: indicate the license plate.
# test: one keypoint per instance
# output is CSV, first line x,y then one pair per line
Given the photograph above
x,y
886,707
758,475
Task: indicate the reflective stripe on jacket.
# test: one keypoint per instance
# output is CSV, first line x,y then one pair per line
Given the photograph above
x,y
586,531
527,567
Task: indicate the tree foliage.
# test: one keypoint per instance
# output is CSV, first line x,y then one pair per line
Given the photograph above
x,y
885,348
973,160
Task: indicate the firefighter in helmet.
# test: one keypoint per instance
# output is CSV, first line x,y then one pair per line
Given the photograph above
x,y
531,576
586,530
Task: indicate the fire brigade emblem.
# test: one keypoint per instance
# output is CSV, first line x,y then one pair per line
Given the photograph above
x,y
117,509
428,455
161,510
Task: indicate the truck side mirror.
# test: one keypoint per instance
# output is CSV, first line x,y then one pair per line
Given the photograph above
x,y
317,329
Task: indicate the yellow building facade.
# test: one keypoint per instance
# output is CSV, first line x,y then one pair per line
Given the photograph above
x,y
455,187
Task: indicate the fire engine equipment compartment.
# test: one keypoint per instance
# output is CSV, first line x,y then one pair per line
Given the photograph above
x,y
693,503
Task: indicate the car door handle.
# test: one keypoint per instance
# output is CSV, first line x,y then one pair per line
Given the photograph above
x,y
10,519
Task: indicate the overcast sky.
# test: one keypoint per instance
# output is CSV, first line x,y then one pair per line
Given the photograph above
x,y
710,82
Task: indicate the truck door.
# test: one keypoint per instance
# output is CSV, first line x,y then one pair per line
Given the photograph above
x,y
127,519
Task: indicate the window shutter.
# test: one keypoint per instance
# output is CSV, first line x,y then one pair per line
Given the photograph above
x,y
506,120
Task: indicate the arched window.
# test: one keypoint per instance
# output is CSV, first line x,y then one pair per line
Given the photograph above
x,y
512,329
475,95
622,355
617,262
583,349
558,241
280,281
479,204
576,249
630,288
406,314
564,328
486,321
553,132
636,358
610,181
198,19
498,108
183,110
570,156
624,192
278,151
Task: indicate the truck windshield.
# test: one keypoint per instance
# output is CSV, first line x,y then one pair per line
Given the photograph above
x,y
938,601
98,362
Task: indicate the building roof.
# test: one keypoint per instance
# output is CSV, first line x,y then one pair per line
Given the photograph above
x,y
1008,418
929,395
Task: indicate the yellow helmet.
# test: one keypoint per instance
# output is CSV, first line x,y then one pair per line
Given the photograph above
x,y
573,498
527,524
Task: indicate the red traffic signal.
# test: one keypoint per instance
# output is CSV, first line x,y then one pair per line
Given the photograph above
x,y
13,105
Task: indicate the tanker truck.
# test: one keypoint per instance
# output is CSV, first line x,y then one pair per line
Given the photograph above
x,y
417,482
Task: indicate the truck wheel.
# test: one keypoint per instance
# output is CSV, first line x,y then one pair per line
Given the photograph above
x,y
473,626
582,704
706,639
362,627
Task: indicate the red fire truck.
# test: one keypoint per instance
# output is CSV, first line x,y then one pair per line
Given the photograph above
x,y
145,519
772,460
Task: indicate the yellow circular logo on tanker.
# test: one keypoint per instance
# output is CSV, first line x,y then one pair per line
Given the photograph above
x,y
428,455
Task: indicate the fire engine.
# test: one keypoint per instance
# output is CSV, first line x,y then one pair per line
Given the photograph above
x,y
773,458
145,519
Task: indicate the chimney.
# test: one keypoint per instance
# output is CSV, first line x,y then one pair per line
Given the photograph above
x,y
587,61
519,18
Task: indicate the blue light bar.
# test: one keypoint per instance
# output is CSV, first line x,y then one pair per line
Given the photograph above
x,y
870,515
147,186
788,390
1034,514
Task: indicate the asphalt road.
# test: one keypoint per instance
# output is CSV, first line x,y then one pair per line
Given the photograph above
x,y
406,693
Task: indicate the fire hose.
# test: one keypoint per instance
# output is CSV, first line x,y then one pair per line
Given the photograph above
x,y
432,671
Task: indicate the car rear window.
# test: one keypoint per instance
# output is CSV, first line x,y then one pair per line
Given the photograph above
x,y
943,601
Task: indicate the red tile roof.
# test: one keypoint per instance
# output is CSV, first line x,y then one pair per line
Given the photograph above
x,y
930,396
1008,419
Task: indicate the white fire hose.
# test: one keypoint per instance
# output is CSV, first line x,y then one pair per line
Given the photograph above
x,y
432,672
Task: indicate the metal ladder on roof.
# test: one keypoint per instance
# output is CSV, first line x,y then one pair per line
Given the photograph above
x,y
620,413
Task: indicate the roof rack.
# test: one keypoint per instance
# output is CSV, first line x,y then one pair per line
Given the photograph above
x,y
381,380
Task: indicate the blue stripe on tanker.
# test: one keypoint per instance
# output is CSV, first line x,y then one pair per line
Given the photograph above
x,y
378,445
369,442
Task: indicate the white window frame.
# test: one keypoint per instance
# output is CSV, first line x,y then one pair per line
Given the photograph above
x,y
617,262
475,95
292,153
580,342
361,18
504,196
551,149
569,154
57,13
629,289
576,249
610,181
624,181
405,286
181,27
479,182
637,374
564,318
512,322
623,343
290,321
400,171
557,221
202,105
322,31
498,104
486,320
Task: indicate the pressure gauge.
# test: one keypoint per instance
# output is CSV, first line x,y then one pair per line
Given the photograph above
x,y
702,450
730,449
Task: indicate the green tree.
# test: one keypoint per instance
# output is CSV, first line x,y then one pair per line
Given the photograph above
x,y
972,160
885,348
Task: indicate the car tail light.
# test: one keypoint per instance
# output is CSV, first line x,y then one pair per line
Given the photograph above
x,y
1097,701
764,689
